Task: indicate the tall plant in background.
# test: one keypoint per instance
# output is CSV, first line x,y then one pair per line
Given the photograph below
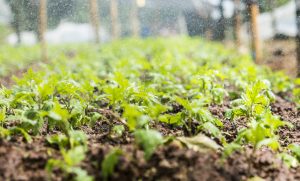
x,y
17,11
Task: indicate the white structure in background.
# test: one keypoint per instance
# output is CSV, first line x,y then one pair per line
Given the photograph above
x,y
66,32
182,24
27,37
213,7
4,12
285,17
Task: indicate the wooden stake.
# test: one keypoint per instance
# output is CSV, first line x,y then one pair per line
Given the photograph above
x,y
256,44
237,24
134,16
114,19
94,15
43,28
298,36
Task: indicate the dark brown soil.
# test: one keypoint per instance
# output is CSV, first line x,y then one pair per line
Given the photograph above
x,y
25,161
288,112
173,162
168,130
167,163
263,163
230,128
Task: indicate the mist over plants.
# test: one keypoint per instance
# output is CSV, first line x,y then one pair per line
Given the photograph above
x,y
153,90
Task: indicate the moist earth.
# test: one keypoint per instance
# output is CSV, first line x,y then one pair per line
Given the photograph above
x,y
23,161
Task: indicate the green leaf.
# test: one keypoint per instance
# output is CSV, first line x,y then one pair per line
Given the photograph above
x,y
109,163
53,163
74,156
4,133
271,95
2,115
77,138
46,89
149,140
31,114
237,102
230,148
118,130
58,113
212,129
81,175
295,148
175,119
94,118
185,103
289,160
134,117
60,139
270,142
27,137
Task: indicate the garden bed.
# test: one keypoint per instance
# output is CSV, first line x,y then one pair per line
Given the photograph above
x,y
163,109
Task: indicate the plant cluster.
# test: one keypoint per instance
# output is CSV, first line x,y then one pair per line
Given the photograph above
x,y
142,83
